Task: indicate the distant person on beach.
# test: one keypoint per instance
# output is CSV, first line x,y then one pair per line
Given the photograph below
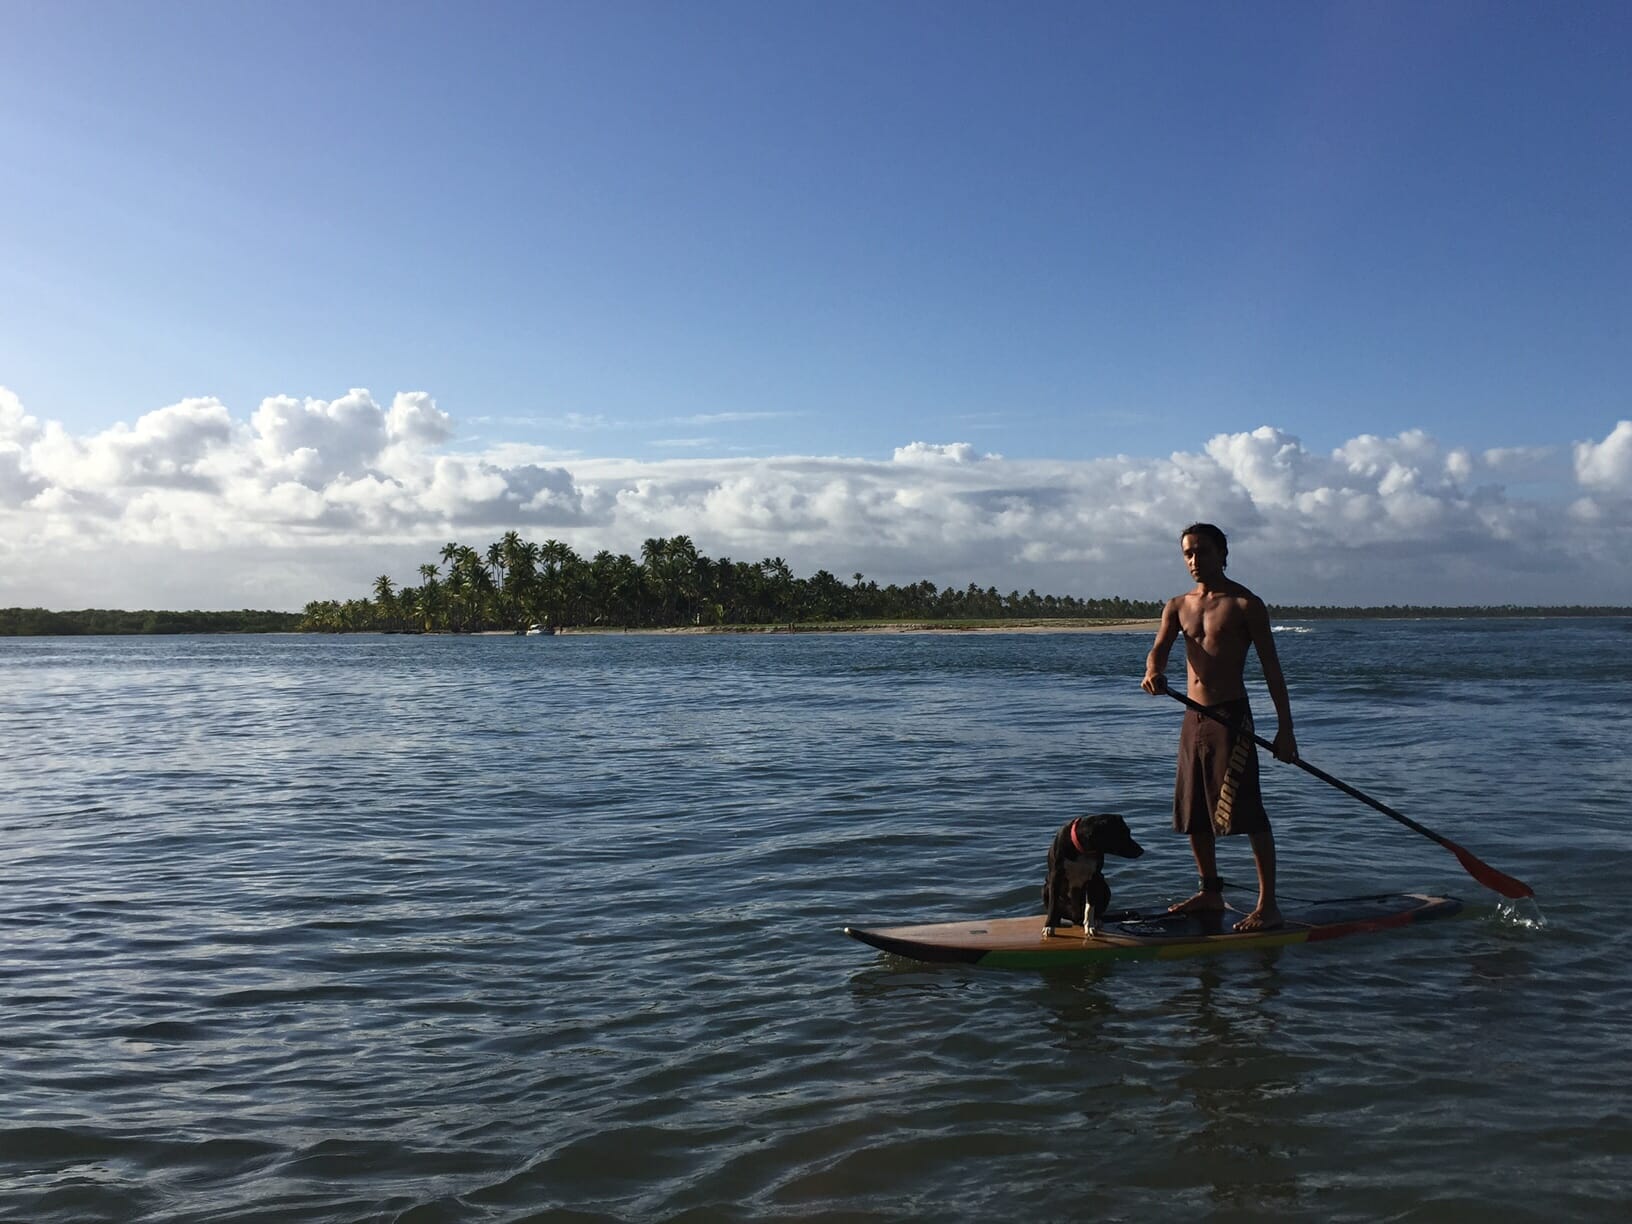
x,y
1216,791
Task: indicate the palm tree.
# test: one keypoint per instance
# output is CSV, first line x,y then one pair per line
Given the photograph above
x,y
683,565
470,584
387,601
779,588
509,558
449,557
495,566
428,603
356,615
827,596
652,555
321,616
421,607
628,587
561,580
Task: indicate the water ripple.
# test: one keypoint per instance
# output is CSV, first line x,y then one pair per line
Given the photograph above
x,y
426,929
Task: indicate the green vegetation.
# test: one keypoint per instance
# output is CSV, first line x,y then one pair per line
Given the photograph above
x,y
37,622
517,583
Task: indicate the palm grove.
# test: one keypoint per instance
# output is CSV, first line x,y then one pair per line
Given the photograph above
x,y
517,583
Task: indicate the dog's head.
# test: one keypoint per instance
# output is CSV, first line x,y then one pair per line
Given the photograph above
x,y
1101,834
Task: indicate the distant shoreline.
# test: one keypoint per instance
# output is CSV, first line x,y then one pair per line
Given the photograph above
x,y
904,627
38,622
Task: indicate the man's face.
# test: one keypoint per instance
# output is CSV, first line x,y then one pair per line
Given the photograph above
x,y
1202,558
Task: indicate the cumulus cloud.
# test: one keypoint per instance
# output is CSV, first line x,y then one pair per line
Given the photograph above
x,y
167,448
930,452
313,441
1606,467
1269,465
16,426
18,431
415,420
309,498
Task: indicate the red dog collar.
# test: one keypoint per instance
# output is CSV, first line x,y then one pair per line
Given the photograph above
x,y
1075,840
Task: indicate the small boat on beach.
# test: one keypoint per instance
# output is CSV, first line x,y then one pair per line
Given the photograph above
x,y
538,630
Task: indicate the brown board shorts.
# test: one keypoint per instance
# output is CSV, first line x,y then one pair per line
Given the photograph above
x,y
1217,780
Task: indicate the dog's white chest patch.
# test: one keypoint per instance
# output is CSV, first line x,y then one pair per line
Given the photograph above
x,y
1081,870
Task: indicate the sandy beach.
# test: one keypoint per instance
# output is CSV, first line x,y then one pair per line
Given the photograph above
x,y
903,627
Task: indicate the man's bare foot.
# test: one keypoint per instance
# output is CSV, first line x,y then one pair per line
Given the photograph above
x,y
1202,903
1264,918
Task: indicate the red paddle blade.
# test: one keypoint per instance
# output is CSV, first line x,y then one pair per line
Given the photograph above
x,y
1487,875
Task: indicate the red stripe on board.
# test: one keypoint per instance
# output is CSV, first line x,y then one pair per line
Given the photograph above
x,y
1367,924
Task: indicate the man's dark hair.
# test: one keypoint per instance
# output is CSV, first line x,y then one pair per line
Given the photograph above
x,y
1213,534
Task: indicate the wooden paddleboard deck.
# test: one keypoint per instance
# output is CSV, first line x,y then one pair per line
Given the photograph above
x,y
1018,943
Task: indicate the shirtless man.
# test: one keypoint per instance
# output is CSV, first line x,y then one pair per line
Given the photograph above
x,y
1216,791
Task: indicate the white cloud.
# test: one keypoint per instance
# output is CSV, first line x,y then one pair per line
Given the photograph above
x,y
568,421
415,420
1269,465
312,498
169,447
18,431
313,441
1606,466
724,418
16,426
1517,461
929,452
1369,455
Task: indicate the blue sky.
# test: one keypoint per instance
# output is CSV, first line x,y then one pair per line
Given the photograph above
x,y
697,237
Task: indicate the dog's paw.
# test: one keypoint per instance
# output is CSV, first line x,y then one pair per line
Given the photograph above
x,y
1048,932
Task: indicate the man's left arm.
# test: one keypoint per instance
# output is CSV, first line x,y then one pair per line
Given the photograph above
x,y
1263,641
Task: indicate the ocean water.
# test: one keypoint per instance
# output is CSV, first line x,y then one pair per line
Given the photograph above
x,y
480,929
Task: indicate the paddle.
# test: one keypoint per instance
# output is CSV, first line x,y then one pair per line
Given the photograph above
x,y
1487,875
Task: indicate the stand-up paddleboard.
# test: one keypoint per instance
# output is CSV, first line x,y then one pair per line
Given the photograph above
x,y
1018,943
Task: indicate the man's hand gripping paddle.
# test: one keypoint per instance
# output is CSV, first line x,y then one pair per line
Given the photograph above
x,y
1487,875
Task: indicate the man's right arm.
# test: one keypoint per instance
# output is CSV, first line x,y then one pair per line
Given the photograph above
x,y
1155,680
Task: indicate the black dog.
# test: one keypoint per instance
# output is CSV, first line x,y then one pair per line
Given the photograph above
x,y
1075,891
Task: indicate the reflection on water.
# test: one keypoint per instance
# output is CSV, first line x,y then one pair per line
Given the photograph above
x,y
1240,1150
437,929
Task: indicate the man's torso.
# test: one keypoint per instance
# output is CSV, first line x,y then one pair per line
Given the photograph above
x,y
1217,636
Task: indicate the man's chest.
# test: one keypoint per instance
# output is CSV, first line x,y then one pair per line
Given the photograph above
x,y
1214,623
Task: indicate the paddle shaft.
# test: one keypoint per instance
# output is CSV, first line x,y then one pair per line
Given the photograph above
x,y
1325,777
1488,876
